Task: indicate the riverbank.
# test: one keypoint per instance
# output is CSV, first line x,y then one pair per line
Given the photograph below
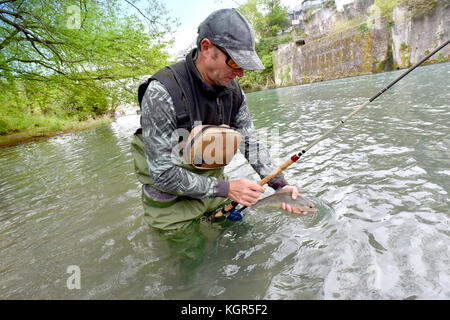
x,y
40,133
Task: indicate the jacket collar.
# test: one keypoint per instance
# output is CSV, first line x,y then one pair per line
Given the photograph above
x,y
216,90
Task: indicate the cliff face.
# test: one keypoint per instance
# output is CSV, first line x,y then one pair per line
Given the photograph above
x,y
412,39
362,48
343,54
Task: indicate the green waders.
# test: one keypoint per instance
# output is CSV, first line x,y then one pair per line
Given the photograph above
x,y
182,221
178,212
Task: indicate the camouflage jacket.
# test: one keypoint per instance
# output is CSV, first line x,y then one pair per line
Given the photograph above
x,y
159,123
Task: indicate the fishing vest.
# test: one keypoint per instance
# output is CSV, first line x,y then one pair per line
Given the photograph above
x,y
194,100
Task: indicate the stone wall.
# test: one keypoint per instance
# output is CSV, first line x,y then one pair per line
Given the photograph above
x,y
343,54
412,39
362,50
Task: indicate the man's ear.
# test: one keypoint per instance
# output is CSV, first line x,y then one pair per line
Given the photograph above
x,y
206,48
205,44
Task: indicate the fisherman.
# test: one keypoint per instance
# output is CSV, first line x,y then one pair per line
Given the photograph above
x,y
187,97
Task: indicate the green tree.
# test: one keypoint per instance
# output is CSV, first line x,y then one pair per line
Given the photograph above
x,y
267,18
251,10
277,17
78,39
76,58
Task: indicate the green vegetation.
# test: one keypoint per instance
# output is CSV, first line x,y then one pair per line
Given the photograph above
x,y
405,51
329,4
363,27
384,9
419,8
63,62
38,127
260,79
385,6
309,14
388,63
268,18
285,76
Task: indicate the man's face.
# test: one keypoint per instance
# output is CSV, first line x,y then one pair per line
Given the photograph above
x,y
217,72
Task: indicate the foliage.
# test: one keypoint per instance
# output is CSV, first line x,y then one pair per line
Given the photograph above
x,y
267,17
258,79
329,4
363,27
277,17
285,76
418,8
309,13
73,58
385,8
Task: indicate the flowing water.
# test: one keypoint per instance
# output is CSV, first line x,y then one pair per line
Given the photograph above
x,y
381,183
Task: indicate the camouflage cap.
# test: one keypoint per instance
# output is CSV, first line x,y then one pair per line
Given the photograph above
x,y
229,29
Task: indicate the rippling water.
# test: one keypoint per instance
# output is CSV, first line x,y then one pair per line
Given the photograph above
x,y
381,182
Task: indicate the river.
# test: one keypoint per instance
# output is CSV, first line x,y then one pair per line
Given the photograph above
x,y
70,206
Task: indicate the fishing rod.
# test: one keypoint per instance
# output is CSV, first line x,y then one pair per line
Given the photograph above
x,y
235,214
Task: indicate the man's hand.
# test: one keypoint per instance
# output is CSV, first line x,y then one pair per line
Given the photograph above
x,y
295,193
244,191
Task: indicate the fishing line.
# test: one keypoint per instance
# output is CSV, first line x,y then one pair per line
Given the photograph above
x,y
236,214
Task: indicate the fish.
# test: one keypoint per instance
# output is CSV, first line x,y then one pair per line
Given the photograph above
x,y
299,205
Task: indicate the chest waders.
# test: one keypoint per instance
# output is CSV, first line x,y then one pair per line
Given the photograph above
x,y
169,212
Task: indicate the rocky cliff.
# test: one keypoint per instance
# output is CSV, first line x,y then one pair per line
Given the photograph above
x,y
358,41
412,39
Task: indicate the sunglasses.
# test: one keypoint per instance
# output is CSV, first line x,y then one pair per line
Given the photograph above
x,y
230,62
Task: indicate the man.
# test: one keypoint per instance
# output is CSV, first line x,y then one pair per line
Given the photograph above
x,y
204,89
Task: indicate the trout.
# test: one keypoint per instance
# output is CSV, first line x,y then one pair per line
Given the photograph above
x,y
301,204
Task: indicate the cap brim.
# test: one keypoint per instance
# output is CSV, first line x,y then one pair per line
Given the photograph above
x,y
246,59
